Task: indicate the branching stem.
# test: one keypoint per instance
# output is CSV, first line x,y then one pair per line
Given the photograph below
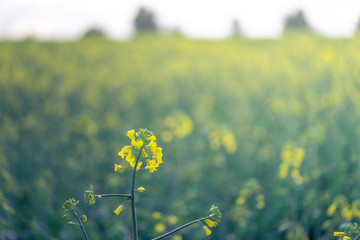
x,y
81,226
179,228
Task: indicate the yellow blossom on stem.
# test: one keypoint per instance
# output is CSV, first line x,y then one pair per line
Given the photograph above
x,y
137,144
84,218
118,209
125,151
144,154
346,238
152,138
209,222
132,164
130,158
339,234
151,165
131,134
117,167
141,189
152,146
207,230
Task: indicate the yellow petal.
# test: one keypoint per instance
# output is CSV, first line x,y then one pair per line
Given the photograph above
x,y
130,134
141,189
207,230
117,167
209,222
118,209
339,234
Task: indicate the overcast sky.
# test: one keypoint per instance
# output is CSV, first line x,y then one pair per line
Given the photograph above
x,y
68,19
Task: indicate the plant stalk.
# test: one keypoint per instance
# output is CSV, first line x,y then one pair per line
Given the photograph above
x,y
132,196
114,195
179,228
81,226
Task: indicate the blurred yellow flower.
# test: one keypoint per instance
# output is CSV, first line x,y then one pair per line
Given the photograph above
x,y
339,234
84,218
118,209
177,237
141,189
172,219
159,228
209,222
207,230
117,167
156,215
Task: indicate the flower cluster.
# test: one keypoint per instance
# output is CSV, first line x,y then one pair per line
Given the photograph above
x,y
213,219
341,206
348,230
90,196
291,160
140,139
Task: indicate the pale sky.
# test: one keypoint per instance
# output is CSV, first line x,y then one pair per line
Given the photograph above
x,y
67,19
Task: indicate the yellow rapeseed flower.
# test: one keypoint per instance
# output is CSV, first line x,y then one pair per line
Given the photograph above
x,y
152,146
130,158
144,154
209,222
137,144
117,167
152,138
141,189
151,165
159,228
156,215
207,230
177,237
132,164
339,234
118,209
172,219
131,134
84,218
346,238
125,151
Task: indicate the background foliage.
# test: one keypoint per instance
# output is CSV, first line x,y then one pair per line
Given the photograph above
x,y
223,111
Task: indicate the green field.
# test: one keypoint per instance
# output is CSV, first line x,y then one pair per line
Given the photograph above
x,y
268,130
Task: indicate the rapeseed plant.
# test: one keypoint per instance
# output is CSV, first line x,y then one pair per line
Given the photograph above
x,y
143,145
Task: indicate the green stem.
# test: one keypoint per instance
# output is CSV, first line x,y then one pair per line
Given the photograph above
x,y
132,196
179,228
114,195
81,226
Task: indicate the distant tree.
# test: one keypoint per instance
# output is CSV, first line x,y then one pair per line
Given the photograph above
x,y
297,21
236,29
94,33
145,21
358,25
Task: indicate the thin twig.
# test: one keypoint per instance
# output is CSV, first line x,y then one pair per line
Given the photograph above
x,y
81,226
114,195
179,228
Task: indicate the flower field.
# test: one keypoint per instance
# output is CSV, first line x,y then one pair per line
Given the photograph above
x,y
268,130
